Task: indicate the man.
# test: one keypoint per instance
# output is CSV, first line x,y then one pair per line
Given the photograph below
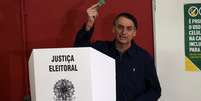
x,y
136,77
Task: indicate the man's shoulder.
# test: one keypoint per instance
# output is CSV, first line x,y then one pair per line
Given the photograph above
x,y
103,46
142,52
99,44
103,43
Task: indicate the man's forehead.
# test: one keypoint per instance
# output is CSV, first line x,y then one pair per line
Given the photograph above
x,y
124,21
123,25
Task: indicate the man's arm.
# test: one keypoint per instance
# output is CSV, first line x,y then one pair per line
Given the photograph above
x,y
84,35
153,89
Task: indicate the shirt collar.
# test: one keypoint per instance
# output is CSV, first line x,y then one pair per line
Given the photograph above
x,y
131,51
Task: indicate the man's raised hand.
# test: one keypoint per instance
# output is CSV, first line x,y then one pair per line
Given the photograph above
x,y
92,13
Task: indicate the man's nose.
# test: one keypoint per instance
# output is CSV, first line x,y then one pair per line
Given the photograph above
x,y
125,31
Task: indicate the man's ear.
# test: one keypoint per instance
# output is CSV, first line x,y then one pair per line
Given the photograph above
x,y
134,33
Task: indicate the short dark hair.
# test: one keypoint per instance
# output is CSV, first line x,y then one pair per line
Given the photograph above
x,y
127,15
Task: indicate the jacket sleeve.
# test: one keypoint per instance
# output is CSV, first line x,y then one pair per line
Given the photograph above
x,y
153,89
83,37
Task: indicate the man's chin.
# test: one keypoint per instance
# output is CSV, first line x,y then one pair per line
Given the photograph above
x,y
123,42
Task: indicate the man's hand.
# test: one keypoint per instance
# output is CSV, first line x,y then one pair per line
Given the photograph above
x,y
92,13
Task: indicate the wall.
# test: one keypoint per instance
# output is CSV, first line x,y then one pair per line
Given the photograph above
x,y
12,55
177,84
55,23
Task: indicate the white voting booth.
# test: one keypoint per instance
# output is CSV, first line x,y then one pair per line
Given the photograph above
x,y
71,74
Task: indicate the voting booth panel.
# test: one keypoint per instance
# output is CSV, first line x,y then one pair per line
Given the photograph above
x,y
71,74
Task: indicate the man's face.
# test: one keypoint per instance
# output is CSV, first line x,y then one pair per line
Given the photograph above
x,y
124,30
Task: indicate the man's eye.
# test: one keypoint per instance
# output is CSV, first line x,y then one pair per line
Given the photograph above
x,y
129,28
120,27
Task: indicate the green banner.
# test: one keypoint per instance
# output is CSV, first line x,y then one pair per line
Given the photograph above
x,y
192,29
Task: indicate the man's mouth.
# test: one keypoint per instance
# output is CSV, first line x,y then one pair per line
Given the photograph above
x,y
122,37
